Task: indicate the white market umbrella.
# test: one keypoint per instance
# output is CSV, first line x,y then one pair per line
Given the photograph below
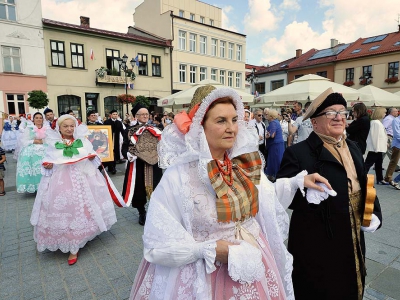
x,y
167,101
397,93
186,96
373,96
307,88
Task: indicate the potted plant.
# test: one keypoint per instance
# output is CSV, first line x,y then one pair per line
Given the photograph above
x,y
126,98
38,99
365,81
143,100
114,72
101,72
348,83
391,80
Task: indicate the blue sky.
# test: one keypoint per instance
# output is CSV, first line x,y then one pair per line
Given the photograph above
x,y
274,29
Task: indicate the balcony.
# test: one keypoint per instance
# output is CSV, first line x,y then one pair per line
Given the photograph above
x,y
111,79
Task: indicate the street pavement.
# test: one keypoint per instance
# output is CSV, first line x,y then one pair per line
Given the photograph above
x,y
107,265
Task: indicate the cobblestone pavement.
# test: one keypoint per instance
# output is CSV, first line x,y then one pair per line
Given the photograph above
x,y
107,265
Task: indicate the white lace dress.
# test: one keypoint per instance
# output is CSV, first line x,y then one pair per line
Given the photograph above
x,y
73,204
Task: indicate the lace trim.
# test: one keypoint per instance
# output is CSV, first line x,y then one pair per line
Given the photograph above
x,y
245,263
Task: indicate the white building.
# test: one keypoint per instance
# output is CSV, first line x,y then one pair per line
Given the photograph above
x,y
201,48
22,63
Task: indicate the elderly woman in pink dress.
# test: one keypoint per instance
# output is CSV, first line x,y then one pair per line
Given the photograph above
x,y
73,204
215,228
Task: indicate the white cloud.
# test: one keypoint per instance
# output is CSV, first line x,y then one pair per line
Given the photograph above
x,y
104,14
260,16
226,24
290,4
343,20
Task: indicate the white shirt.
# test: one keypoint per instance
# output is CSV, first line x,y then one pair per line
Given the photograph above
x,y
387,123
261,132
377,139
285,129
304,128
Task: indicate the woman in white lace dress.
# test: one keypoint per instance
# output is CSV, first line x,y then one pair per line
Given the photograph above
x,y
215,228
73,204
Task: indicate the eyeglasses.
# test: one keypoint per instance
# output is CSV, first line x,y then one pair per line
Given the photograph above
x,y
331,114
144,115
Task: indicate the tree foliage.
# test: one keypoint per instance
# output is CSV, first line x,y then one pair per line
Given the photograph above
x,y
143,100
38,99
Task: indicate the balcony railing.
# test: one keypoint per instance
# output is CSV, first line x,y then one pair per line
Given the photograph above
x,y
113,79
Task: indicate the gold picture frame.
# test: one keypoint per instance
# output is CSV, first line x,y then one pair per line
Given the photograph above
x,y
102,140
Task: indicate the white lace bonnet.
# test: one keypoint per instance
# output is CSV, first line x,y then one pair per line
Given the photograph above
x,y
176,148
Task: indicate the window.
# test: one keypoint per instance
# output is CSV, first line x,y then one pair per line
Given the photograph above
x,y
393,70
239,52
202,20
181,13
112,57
211,22
156,66
374,47
214,74
15,104
322,74
57,53
230,79
222,77
66,102
192,17
7,10
397,43
182,40
298,76
182,73
203,73
110,103
203,44
77,59
222,49
356,50
238,80
367,70
11,59
350,74
214,47
260,87
230,51
192,42
142,68
192,74
276,84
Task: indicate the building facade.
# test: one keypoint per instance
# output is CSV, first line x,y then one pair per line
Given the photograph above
x,y
22,63
76,56
201,48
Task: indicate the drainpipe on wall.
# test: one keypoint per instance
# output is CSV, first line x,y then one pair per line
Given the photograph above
x,y
170,52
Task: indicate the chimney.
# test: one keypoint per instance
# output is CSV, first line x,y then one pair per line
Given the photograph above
x,y
85,22
334,43
299,52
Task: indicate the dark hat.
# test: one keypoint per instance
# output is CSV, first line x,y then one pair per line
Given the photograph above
x,y
136,108
113,111
90,112
47,110
326,99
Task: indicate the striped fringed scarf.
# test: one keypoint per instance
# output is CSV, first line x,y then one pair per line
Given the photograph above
x,y
239,201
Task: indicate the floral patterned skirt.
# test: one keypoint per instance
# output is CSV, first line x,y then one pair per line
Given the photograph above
x,y
180,283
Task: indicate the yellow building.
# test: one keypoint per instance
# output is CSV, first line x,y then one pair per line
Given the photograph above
x,y
75,55
202,49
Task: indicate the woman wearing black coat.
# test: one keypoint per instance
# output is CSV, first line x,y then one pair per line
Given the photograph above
x,y
358,130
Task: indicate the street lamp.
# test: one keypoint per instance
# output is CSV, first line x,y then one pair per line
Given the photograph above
x,y
366,79
123,67
253,78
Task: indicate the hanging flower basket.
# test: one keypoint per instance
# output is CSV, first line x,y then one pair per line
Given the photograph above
x,y
126,99
391,80
365,81
130,74
101,72
348,83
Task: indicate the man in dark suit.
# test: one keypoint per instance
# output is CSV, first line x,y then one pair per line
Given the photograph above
x,y
116,128
327,240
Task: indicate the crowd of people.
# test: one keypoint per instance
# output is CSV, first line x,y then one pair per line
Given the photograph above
x,y
219,179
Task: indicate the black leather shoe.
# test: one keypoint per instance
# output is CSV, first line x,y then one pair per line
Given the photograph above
x,y
142,219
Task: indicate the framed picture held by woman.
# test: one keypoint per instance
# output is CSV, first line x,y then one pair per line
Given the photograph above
x,y
102,140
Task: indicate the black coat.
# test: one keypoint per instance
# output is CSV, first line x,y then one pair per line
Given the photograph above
x,y
358,132
116,129
320,236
